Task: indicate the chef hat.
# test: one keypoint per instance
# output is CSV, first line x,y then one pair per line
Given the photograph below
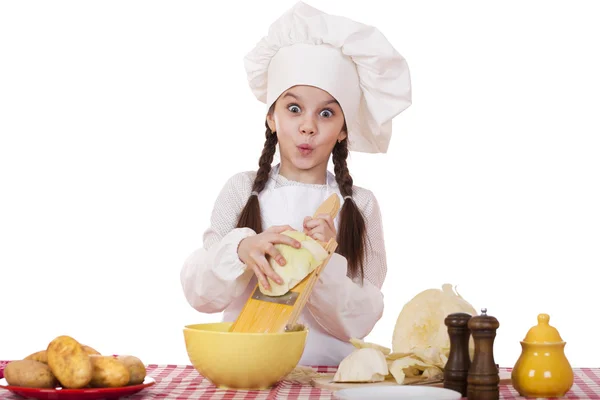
x,y
353,62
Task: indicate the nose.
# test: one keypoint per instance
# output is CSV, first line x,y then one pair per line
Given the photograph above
x,y
308,126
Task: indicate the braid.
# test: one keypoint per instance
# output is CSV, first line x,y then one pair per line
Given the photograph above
x,y
352,224
250,216
265,161
342,175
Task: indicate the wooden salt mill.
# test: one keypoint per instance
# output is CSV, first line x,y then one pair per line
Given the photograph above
x,y
457,367
483,378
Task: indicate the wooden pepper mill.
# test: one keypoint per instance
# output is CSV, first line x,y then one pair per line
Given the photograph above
x,y
483,378
457,367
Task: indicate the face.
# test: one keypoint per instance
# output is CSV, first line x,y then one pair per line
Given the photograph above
x,y
308,122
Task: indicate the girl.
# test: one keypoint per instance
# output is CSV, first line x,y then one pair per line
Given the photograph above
x,y
331,85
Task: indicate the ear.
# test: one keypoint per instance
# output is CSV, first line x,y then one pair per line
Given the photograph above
x,y
271,121
343,135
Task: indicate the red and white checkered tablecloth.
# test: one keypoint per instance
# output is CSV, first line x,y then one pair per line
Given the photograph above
x,y
182,382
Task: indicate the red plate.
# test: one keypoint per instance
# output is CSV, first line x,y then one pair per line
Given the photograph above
x,y
72,394
2,366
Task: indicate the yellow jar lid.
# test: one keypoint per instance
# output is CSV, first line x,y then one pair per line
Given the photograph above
x,y
543,332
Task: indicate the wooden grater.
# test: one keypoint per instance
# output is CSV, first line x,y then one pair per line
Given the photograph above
x,y
272,314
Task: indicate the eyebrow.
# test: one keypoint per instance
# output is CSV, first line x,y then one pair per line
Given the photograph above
x,y
290,94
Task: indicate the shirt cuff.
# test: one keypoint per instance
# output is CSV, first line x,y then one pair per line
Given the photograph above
x,y
230,267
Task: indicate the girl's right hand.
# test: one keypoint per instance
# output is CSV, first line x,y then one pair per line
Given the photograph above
x,y
253,252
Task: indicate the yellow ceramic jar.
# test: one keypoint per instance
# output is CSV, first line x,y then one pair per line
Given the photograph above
x,y
542,370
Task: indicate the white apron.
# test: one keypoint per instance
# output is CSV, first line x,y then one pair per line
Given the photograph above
x,y
288,205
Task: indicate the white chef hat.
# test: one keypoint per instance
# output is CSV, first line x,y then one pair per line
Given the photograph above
x,y
353,62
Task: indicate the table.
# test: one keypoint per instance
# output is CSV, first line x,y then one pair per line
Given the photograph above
x,y
183,382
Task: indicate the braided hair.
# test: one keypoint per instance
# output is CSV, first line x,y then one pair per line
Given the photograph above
x,y
250,216
351,232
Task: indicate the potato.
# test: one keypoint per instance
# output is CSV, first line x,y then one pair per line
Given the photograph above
x,y
90,350
41,356
108,372
136,368
29,373
69,362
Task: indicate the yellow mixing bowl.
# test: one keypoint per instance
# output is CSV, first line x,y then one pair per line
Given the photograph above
x,y
233,360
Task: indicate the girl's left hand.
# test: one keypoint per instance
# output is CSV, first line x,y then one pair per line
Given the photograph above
x,y
320,228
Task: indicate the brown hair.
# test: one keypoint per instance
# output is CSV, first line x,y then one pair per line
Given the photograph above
x,y
250,216
351,232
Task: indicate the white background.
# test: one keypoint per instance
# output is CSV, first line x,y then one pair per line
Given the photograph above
x,y
121,120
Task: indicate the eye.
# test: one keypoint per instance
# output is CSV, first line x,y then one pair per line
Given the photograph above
x,y
294,108
327,113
